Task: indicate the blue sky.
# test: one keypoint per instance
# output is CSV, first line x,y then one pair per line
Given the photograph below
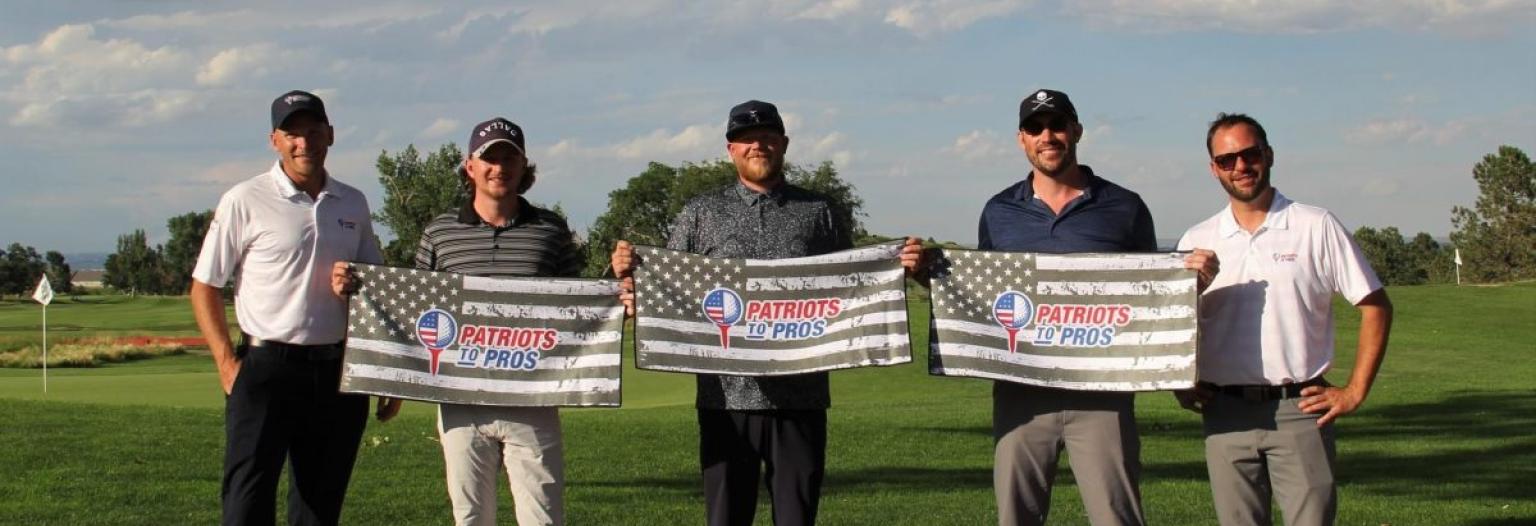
x,y
118,115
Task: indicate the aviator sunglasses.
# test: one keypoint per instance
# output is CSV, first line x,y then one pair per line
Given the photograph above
x,y
1251,155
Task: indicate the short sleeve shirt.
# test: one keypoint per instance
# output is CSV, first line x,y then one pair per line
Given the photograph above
x,y
279,246
1267,317
735,222
1105,218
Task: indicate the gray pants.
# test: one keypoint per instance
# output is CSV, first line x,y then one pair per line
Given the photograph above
x,y
1032,424
1255,450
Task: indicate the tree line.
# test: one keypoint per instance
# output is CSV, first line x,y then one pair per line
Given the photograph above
x,y
21,267
1497,236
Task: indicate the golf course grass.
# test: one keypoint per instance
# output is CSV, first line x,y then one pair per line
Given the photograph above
x,y
1448,436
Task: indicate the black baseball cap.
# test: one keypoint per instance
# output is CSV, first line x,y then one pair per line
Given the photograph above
x,y
753,114
287,104
1046,101
494,131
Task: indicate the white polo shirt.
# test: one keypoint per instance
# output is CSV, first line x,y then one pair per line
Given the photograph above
x,y
281,245
1267,318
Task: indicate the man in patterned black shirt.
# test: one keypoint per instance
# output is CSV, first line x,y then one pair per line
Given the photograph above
x,y
746,421
498,233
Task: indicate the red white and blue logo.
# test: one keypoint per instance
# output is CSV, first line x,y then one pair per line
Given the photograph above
x,y
722,307
1013,310
436,329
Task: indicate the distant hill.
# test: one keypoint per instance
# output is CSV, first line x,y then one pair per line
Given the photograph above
x,y
87,260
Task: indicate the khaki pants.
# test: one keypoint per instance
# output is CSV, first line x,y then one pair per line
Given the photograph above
x,y
1258,450
479,440
1032,424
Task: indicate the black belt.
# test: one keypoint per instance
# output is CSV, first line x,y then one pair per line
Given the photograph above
x,y
328,352
1264,393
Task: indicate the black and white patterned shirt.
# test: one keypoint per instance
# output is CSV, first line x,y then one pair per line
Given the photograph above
x,y
537,243
735,222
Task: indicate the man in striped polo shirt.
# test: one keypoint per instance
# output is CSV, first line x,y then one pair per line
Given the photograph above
x,y
499,234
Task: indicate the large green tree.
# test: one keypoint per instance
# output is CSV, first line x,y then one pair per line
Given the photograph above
x,y
180,253
415,191
643,210
20,269
59,275
1497,236
135,267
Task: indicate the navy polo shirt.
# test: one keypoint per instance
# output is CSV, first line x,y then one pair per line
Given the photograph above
x,y
1106,218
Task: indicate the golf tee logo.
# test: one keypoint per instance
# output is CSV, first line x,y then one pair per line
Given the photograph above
x,y
722,307
436,330
1013,310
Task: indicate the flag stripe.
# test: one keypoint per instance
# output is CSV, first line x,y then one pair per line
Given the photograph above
x,y
846,323
1152,385
1115,288
550,286
550,359
999,344
760,352
1082,363
1109,262
1125,338
505,310
710,336
726,365
857,255
804,283
1024,372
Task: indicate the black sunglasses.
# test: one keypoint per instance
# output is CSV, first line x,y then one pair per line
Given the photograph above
x,y
1251,155
1056,124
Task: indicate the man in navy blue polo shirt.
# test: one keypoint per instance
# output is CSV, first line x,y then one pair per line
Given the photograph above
x,y
1063,207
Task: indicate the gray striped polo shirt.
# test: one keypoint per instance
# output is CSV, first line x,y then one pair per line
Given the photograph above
x,y
536,243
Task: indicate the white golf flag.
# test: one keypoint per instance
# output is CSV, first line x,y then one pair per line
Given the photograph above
x,y
1458,257
44,292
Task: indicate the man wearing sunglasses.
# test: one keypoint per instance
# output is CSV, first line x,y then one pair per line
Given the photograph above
x,y
1266,338
1063,207
749,423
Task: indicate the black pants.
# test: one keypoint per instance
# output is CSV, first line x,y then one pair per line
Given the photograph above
x,y
285,405
735,445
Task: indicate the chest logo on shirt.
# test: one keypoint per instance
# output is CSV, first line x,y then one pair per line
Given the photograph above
x,y
1285,258
349,225
1058,325
483,346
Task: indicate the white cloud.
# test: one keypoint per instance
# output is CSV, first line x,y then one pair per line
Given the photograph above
x,y
980,145
699,140
240,63
927,17
1406,130
1307,16
439,128
830,9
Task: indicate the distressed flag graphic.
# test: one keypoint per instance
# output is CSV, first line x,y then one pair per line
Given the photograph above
x,y
1093,322
444,337
754,317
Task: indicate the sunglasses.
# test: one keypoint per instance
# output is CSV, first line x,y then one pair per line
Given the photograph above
x,y
1251,155
1057,124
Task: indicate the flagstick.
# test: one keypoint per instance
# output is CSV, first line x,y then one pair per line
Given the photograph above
x,y
45,349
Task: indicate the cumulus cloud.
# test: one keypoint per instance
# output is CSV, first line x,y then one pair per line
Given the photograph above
x,y
1405,130
1307,16
240,63
928,17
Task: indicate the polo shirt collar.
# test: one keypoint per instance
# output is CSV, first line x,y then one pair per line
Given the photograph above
x,y
288,190
750,197
1026,191
1278,218
525,213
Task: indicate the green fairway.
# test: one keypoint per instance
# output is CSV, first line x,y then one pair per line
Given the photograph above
x,y
1446,438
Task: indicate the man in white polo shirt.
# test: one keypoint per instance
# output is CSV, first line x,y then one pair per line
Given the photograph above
x,y
1266,338
277,235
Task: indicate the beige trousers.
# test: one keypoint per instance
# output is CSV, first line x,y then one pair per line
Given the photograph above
x,y
1258,450
478,441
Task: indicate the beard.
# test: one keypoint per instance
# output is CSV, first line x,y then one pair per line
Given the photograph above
x,y
760,170
1067,158
1247,195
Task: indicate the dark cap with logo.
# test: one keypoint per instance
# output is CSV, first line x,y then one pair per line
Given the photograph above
x,y
494,131
287,104
753,114
1046,101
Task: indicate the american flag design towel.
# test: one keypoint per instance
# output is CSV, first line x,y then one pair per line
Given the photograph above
x,y
445,337
1093,322
753,317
